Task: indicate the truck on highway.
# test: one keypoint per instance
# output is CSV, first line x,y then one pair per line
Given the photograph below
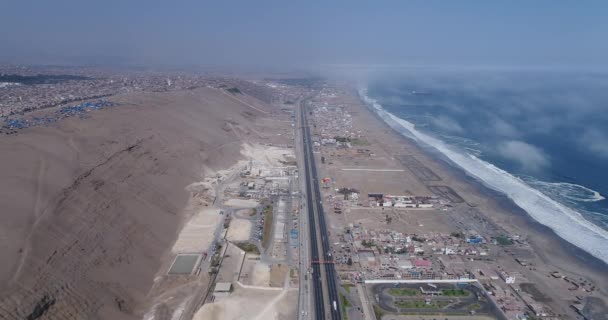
x,y
335,306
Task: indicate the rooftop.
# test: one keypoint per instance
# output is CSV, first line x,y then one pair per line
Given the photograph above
x,y
222,287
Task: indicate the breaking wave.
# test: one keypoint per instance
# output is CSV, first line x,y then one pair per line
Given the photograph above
x,y
8,84
563,191
566,222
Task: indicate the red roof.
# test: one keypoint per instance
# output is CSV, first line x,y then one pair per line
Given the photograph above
x,y
422,263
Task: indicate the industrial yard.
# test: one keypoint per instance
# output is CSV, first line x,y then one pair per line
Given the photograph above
x,y
240,246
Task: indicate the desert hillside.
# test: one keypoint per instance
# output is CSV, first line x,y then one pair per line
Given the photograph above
x,y
89,206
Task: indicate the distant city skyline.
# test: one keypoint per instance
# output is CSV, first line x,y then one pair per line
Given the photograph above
x,y
267,33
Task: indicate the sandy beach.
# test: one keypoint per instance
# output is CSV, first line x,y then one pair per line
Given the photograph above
x,y
550,253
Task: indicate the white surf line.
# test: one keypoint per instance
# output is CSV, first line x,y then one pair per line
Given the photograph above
x,y
566,222
379,170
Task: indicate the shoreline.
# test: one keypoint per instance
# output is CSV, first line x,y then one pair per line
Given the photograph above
x,y
539,235
508,204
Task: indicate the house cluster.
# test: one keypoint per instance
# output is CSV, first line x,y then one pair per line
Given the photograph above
x,y
389,254
335,126
381,200
46,86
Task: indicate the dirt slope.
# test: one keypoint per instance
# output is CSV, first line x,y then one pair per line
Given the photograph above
x,y
88,207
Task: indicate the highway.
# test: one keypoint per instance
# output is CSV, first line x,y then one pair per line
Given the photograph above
x,y
304,300
323,276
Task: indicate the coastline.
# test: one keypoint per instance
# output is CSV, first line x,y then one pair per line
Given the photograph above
x,y
506,203
566,222
553,250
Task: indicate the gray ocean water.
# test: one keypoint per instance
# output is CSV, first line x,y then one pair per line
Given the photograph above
x,y
540,137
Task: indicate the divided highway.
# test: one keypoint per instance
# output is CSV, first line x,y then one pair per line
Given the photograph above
x,y
325,286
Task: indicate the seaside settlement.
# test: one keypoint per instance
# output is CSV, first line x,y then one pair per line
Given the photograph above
x,y
403,242
411,245
404,245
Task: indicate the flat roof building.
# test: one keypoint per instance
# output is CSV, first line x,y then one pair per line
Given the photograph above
x,y
222,289
404,264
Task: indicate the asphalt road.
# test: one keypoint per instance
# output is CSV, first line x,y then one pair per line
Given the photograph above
x,y
304,302
326,297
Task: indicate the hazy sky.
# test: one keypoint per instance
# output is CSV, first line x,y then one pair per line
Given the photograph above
x,y
307,32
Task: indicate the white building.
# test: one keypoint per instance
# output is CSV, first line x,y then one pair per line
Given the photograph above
x,y
449,251
507,278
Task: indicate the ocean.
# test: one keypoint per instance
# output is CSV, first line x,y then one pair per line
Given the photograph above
x,y
539,137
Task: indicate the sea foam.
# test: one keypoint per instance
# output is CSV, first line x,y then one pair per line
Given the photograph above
x,y
569,192
566,222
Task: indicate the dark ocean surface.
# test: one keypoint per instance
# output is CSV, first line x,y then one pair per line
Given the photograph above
x,y
540,137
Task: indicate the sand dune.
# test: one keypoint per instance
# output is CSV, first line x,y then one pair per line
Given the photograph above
x,y
89,207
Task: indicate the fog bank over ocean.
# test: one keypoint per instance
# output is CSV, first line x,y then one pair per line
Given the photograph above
x,y
540,137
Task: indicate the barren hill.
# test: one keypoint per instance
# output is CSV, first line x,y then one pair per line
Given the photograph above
x,y
90,206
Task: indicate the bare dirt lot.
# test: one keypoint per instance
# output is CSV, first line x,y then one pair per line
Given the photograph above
x,y
254,304
277,274
240,230
231,264
241,203
197,234
395,180
414,221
